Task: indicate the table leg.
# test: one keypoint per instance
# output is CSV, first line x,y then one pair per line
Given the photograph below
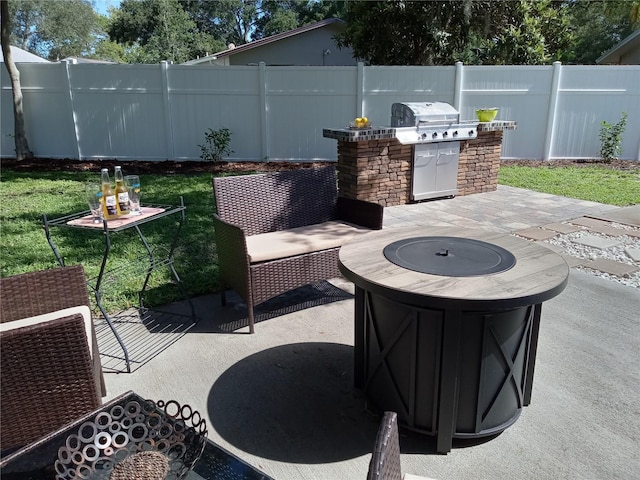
x,y
98,296
447,398
45,222
533,349
359,339
152,266
96,289
169,262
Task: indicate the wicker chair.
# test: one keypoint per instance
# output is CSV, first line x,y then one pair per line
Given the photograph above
x,y
47,374
385,460
249,205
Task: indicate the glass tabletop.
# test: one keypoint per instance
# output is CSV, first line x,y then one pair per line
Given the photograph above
x,y
36,461
83,220
217,463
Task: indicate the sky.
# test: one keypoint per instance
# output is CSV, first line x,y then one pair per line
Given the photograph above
x,y
102,6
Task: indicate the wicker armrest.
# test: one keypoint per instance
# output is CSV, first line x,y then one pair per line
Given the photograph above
x,y
360,212
40,292
233,260
45,291
47,379
385,460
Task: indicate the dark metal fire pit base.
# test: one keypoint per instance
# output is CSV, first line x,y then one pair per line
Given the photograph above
x,y
452,351
411,353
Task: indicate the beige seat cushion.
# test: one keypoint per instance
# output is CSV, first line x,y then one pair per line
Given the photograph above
x,y
47,317
301,240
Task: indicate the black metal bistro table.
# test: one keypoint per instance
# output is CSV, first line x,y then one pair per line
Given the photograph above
x,y
150,213
37,460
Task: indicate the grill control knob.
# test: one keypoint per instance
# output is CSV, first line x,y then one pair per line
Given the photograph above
x,y
445,134
455,133
471,133
435,135
424,135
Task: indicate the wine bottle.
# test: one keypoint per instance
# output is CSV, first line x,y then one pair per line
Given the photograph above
x,y
110,202
122,194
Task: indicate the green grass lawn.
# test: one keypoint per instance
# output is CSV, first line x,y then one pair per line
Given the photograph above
x,y
26,196
595,183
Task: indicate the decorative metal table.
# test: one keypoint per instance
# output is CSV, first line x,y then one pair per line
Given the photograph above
x,y
40,460
150,213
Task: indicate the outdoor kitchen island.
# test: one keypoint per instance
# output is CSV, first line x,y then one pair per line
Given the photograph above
x,y
374,165
446,325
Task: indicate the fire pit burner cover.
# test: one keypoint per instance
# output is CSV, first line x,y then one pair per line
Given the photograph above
x,y
449,256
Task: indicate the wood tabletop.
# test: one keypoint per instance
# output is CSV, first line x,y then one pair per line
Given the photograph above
x,y
538,275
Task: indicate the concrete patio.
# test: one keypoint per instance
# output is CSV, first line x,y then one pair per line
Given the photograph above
x,y
283,399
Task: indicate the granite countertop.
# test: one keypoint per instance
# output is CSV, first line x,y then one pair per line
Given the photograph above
x,y
380,133
497,125
359,134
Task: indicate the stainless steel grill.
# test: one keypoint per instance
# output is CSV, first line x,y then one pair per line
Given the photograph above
x,y
435,130
428,122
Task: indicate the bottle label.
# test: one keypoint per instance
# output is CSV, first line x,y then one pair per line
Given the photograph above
x,y
123,201
110,205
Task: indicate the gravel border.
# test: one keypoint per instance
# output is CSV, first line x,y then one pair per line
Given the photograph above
x,y
617,253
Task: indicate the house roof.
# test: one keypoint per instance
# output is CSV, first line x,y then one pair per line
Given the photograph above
x,y
89,60
630,43
22,56
265,41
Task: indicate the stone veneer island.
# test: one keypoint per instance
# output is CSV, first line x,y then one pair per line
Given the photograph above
x,y
374,166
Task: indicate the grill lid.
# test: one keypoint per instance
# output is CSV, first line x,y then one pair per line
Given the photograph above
x,y
412,114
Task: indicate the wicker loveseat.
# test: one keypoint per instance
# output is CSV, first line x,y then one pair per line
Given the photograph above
x,y
278,231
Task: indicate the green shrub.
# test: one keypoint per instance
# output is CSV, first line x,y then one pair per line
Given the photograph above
x,y
217,143
611,138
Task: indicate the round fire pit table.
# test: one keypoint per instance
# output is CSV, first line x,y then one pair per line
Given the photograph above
x,y
446,325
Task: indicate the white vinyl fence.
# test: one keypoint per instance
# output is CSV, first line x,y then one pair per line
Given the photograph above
x,y
159,112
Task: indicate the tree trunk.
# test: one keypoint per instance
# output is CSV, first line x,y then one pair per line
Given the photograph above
x,y
20,137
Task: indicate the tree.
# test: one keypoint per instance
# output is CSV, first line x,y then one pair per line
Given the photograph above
x,y
156,30
441,32
528,33
277,16
151,30
241,21
105,48
310,11
230,21
25,15
599,26
23,151
409,33
67,28
281,15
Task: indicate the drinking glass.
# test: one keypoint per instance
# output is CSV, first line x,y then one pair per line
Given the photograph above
x,y
132,182
94,199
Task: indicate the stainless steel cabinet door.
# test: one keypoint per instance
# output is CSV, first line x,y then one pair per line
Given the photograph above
x,y
424,169
447,170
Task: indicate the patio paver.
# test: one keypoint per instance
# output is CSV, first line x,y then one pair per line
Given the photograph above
x,y
597,242
611,266
562,227
634,253
536,233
